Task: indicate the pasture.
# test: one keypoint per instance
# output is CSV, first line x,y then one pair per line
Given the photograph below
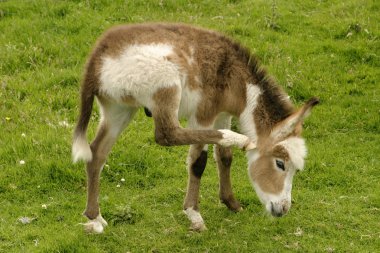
x,y
328,49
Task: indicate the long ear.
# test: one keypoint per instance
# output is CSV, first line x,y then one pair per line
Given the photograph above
x,y
293,123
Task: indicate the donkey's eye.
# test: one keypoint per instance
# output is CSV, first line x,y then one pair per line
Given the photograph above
x,y
280,164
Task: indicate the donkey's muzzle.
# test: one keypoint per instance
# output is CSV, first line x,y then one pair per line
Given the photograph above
x,y
279,209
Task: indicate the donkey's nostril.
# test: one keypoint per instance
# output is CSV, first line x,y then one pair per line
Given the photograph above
x,y
285,208
274,211
279,209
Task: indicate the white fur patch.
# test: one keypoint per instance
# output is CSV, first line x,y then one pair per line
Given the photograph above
x,y
189,103
96,225
223,121
196,219
284,130
139,71
252,156
190,58
247,122
116,117
231,138
297,151
81,150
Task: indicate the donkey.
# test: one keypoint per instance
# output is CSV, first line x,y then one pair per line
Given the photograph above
x,y
179,71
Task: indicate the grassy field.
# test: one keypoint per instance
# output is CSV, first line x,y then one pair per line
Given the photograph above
x,y
329,49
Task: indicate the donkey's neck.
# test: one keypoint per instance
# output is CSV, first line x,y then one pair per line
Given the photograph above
x,y
265,107
247,117
266,102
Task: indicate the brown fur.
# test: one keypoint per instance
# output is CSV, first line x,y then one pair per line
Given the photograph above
x,y
267,177
268,113
93,173
294,121
182,59
168,131
192,193
100,148
223,158
223,66
106,136
280,152
129,100
265,173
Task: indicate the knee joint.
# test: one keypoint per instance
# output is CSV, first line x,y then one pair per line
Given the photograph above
x,y
199,165
166,137
225,156
226,161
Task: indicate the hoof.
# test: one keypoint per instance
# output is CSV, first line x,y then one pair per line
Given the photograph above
x,y
103,221
96,225
236,209
232,204
198,227
197,223
249,146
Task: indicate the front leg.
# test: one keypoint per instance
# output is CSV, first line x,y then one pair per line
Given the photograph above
x,y
231,138
168,131
223,158
196,163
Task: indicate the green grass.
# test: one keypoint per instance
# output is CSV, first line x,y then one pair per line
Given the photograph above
x,y
328,49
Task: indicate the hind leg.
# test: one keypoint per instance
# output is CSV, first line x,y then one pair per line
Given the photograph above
x,y
114,119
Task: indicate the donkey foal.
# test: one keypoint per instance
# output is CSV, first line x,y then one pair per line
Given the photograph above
x,y
179,71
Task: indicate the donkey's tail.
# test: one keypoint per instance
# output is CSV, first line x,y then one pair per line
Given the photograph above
x,y
81,149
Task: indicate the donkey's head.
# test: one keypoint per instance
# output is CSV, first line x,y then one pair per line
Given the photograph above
x,y
279,154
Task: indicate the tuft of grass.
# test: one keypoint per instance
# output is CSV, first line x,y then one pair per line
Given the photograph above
x,y
328,49
122,215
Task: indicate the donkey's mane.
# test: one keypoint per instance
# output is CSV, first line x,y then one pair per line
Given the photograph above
x,y
273,97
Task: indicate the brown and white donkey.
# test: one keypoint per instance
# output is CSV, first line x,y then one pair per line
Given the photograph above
x,y
179,71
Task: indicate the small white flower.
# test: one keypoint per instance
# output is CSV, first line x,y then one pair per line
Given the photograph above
x,y
122,180
299,232
23,135
64,123
22,162
44,206
25,220
118,185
